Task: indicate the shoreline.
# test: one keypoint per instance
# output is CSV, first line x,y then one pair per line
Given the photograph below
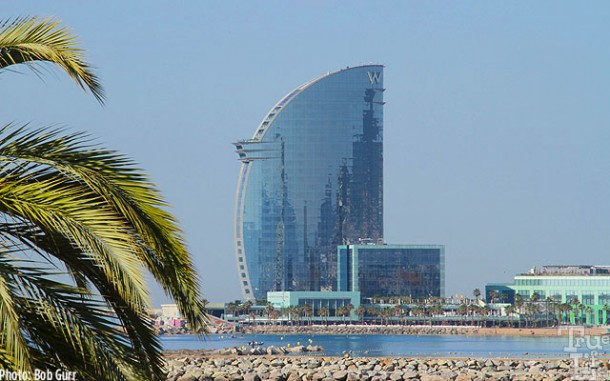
x,y
349,329
231,365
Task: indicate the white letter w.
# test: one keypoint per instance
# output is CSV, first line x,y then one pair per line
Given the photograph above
x,y
374,76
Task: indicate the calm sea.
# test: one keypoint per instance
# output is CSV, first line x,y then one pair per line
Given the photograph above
x,y
393,345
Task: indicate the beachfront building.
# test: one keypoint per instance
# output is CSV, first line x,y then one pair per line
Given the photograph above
x,y
332,301
311,179
417,271
501,293
584,288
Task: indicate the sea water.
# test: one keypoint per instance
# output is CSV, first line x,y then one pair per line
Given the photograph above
x,y
391,345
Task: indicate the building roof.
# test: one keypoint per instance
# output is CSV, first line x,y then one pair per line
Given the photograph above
x,y
569,270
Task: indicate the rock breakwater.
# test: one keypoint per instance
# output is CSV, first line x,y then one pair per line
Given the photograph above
x,y
277,368
244,350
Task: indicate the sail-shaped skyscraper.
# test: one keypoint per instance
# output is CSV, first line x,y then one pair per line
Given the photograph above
x,y
311,179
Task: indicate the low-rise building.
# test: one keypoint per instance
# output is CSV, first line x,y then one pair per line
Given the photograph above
x,y
417,271
316,300
584,288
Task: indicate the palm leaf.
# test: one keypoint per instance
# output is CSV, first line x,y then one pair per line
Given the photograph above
x,y
32,40
87,211
65,325
113,178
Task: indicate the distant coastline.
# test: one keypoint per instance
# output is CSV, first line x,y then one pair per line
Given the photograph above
x,y
414,330
355,329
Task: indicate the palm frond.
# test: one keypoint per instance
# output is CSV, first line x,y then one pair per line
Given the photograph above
x,y
54,204
30,40
134,321
114,178
67,325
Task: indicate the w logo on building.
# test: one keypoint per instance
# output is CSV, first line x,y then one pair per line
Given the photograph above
x,y
374,77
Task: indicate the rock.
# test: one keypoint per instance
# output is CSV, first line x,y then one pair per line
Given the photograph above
x,y
463,377
218,375
431,377
251,376
314,348
448,374
295,349
340,375
276,375
410,374
186,377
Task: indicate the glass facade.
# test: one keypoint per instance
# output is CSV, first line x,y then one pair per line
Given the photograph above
x,y
311,179
392,270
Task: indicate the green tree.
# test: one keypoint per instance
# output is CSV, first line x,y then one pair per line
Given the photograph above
x,y
70,207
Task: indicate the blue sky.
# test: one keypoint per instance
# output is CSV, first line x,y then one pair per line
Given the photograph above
x,y
496,130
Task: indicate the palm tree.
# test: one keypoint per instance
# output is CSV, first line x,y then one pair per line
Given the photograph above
x,y
535,297
269,309
493,296
567,309
245,308
374,312
519,306
589,315
324,312
342,311
71,207
549,300
307,312
349,309
581,318
274,315
462,310
477,293
510,310
361,311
